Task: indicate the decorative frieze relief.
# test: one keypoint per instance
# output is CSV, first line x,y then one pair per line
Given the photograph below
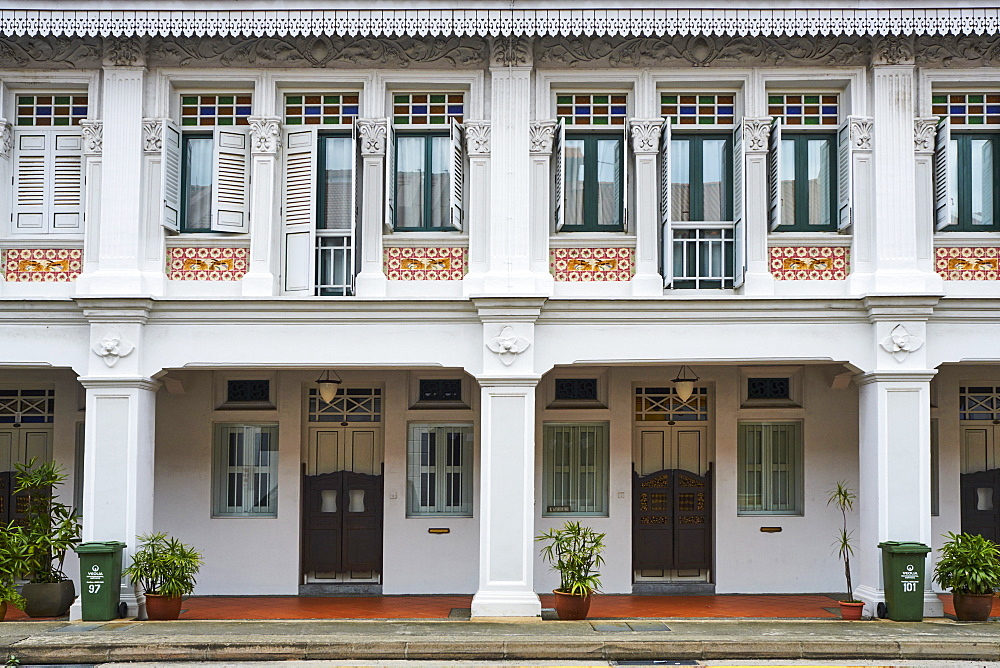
x,y
958,50
540,136
809,263
207,264
508,344
924,131
265,135
112,347
124,51
582,265
892,50
477,137
51,52
372,133
646,135
426,264
861,133
901,343
510,51
152,135
320,51
6,138
968,263
42,265
93,137
756,134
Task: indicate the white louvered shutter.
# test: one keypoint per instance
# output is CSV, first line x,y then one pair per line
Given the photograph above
x,y
457,174
231,179
48,182
774,175
625,156
355,204
67,183
845,216
667,235
170,175
298,209
389,223
31,181
943,204
739,221
559,165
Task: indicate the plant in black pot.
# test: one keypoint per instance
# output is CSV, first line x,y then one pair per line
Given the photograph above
x,y
574,551
843,498
38,539
164,568
970,567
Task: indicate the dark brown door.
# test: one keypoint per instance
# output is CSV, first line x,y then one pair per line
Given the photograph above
x,y
342,522
671,520
981,503
6,478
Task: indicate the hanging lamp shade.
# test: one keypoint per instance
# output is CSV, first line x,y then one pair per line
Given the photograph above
x,y
684,383
328,386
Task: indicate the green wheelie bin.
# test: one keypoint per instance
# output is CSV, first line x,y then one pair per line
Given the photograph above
x,y
903,579
100,580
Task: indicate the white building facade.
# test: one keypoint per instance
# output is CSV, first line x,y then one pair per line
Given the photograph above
x,y
505,231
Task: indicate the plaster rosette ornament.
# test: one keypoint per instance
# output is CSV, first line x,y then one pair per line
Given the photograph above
x,y
901,343
112,347
508,345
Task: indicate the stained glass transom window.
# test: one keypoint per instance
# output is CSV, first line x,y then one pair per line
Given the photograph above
x,y
593,109
209,110
51,110
968,108
698,109
661,404
321,109
979,402
427,108
27,406
351,404
797,109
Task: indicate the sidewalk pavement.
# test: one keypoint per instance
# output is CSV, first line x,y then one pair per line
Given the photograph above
x,y
611,640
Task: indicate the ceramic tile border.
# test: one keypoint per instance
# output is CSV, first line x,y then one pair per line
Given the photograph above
x,y
967,263
810,263
421,263
44,265
592,264
185,263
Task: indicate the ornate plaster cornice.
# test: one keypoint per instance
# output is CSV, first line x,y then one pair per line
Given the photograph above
x,y
124,51
540,136
373,133
510,51
231,18
477,137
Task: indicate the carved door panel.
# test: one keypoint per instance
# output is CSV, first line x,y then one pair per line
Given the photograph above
x,y
362,548
322,518
692,520
671,520
980,493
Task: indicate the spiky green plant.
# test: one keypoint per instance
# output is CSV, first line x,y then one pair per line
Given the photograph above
x,y
969,564
843,498
163,565
575,552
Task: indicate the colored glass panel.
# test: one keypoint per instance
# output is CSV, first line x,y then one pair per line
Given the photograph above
x,y
805,110
701,109
968,108
427,109
592,109
321,109
50,110
209,110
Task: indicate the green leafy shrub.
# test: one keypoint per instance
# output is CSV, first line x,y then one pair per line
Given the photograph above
x,y
575,552
969,564
163,565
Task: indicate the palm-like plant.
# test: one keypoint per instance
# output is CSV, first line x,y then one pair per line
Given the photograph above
x,y
36,545
163,565
575,552
843,498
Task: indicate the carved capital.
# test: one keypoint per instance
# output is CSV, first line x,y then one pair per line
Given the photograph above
x,y
540,136
646,135
6,138
265,135
511,52
924,129
152,135
756,134
124,52
93,137
477,137
861,133
892,50
373,133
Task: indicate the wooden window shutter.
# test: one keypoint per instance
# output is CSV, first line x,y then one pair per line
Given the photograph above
x,y
665,228
389,223
457,174
624,157
170,175
845,186
774,175
943,204
559,165
231,179
298,208
739,222
48,182
31,181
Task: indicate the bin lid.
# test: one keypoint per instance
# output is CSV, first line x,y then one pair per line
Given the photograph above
x,y
99,547
904,547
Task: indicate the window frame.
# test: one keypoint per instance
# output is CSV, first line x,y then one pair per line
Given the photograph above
x,y
427,213
590,198
602,459
696,166
801,189
183,227
767,469
963,181
220,470
441,470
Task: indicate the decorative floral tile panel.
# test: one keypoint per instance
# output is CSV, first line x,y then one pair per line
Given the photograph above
x,y
810,263
207,264
968,263
46,265
592,264
426,264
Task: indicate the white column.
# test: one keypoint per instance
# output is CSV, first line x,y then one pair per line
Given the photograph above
x,y
647,282
540,136
477,203
758,279
371,280
121,234
261,279
924,130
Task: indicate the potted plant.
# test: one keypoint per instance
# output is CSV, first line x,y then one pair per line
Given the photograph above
x,y
970,567
843,498
37,542
10,557
164,568
575,552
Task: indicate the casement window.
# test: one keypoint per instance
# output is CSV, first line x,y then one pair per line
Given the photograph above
x,y
966,169
769,468
48,175
808,182
575,469
439,476
701,191
205,165
425,162
245,471
320,194
591,163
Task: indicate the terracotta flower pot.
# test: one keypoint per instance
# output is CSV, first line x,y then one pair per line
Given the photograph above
x,y
572,607
851,611
972,607
3,610
48,599
162,608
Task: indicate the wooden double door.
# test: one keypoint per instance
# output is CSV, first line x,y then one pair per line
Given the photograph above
x,y
980,480
19,445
